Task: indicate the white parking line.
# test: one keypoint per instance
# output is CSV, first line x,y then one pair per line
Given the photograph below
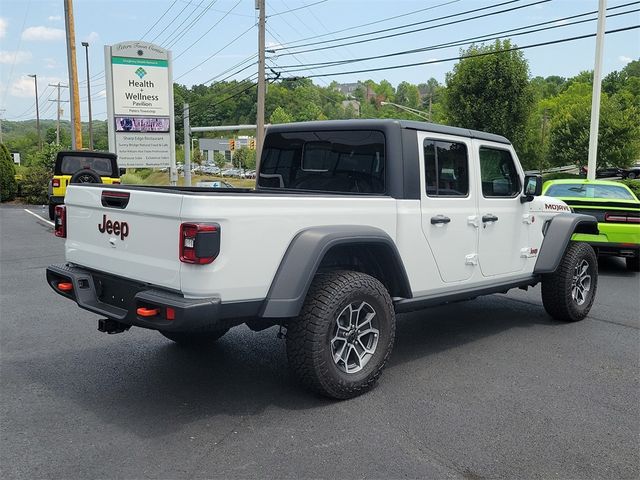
x,y
39,217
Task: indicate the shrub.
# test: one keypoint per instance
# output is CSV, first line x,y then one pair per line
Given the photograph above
x,y
143,172
35,185
8,185
131,179
634,185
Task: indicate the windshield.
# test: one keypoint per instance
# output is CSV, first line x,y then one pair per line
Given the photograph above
x,y
585,190
327,161
72,163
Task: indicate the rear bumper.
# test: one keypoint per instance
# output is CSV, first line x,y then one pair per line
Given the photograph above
x,y
119,299
617,249
56,200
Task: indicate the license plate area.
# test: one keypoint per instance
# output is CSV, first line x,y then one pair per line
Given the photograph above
x,y
117,292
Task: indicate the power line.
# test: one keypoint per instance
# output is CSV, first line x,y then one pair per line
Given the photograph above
x,y
486,37
454,22
179,31
207,32
158,20
218,51
297,8
451,59
171,22
387,19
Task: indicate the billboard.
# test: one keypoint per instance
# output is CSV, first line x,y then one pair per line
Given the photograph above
x,y
140,104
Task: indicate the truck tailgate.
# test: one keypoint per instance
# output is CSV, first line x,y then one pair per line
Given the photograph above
x,y
139,241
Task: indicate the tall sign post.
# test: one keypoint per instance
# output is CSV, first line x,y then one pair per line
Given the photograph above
x,y
140,111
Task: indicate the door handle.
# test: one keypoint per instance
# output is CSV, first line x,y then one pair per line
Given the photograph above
x,y
439,220
489,218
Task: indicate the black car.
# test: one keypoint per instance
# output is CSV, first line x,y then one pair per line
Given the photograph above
x,y
631,173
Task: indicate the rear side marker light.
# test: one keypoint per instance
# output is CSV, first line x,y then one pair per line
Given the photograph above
x,y
65,286
199,243
60,222
171,313
147,312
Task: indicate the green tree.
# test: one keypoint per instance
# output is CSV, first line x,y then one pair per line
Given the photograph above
x,y
46,157
8,185
219,159
408,95
280,115
619,131
245,157
489,90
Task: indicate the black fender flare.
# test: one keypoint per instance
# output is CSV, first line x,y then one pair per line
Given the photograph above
x,y
557,237
305,254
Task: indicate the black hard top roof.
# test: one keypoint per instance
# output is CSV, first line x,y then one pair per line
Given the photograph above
x,y
385,124
86,153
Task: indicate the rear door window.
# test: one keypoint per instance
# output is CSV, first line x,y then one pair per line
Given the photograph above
x,y
325,161
446,168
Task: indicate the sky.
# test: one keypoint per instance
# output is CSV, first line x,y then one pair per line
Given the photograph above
x,y
208,37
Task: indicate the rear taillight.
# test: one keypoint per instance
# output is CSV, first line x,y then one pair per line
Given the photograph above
x,y
115,182
60,222
199,242
55,182
621,218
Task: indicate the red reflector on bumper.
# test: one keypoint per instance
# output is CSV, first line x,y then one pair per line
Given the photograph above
x,y
65,286
171,313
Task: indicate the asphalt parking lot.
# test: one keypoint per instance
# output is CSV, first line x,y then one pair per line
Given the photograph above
x,y
490,388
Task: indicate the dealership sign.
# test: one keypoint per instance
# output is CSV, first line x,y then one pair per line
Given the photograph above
x,y
140,104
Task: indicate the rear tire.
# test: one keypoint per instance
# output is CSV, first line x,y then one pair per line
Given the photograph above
x,y
340,342
569,292
633,263
194,339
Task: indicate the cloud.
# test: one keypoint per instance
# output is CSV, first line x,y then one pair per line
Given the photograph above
x,y
624,59
54,18
24,86
42,33
14,57
3,27
50,62
93,37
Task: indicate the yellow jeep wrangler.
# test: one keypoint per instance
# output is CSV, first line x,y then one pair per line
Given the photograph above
x,y
80,167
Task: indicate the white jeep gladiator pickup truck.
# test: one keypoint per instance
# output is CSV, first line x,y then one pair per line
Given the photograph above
x,y
350,223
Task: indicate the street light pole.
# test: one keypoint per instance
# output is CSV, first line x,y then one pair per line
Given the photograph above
x,y
35,81
86,51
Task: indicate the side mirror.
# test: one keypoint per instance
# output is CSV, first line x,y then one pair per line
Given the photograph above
x,y
532,187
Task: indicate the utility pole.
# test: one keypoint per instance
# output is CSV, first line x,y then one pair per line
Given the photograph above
x,y
35,81
76,127
595,99
260,5
187,144
86,51
58,86
545,118
2,110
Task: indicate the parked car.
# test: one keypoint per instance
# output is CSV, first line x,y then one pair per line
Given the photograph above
x,y
608,172
351,223
631,173
615,207
80,167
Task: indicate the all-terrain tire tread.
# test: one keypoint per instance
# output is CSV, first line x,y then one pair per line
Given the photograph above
x,y
556,287
305,335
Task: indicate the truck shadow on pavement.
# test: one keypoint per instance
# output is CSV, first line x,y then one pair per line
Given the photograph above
x,y
145,384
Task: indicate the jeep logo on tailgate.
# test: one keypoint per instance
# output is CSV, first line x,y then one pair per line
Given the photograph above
x,y
116,228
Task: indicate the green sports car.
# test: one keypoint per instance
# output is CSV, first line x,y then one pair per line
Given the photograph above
x,y
616,208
